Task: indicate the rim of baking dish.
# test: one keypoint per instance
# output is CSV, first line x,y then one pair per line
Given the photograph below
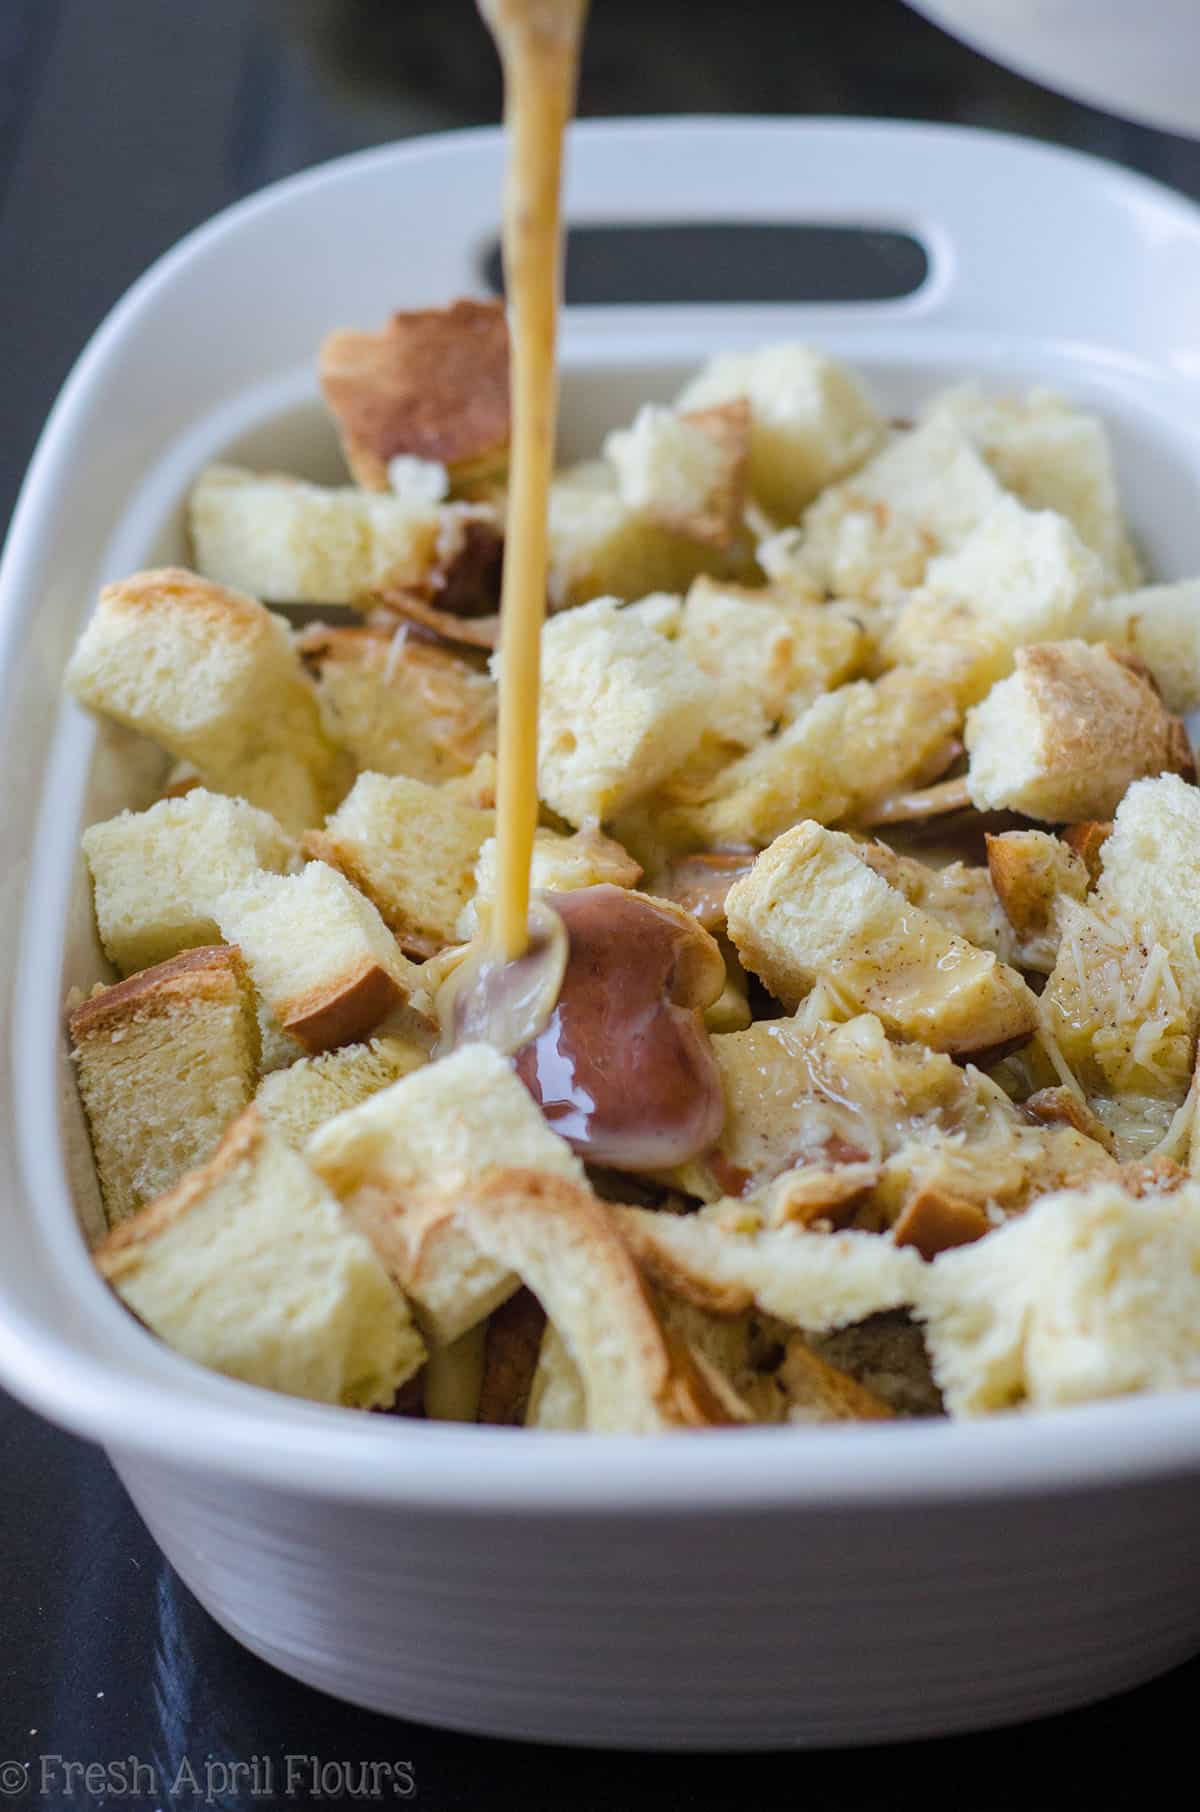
x,y
92,1368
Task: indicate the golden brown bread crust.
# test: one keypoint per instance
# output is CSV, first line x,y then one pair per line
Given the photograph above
x,y
1059,1107
1028,875
118,1252
432,384
413,607
1087,839
663,1270
210,972
148,591
342,1010
934,1220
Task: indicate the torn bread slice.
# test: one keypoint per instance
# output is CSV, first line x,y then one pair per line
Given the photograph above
x,y
213,678
556,1395
434,1132
319,954
292,542
412,850
621,708
1030,872
165,1061
1093,1293
722,1259
1065,735
846,751
558,1238
811,419
296,1100
250,1267
400,705
810,910
686,472
157,874
1160,624
431,384
769,655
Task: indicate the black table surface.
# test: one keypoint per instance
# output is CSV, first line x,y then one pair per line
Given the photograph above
x,y
122,124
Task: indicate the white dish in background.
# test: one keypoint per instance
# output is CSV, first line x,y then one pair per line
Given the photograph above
x,y
751,1588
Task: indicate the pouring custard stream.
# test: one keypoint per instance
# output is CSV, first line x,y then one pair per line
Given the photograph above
x,y
590,995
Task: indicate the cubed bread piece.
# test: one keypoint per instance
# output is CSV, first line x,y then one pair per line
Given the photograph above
x,y
215,679
412,849
1030,872
560,864
873,535
1093,1293
427,1135
830,1096
811,910
157,875
318,953
599,547
686,472
850,748
433,383
621,708
1161,625
165,1061
1065,735
399,705
1025,572
291,542
1150,871
958,895
1053,457
967,651
811,419
296,1100
723,1259
250,1267
768,657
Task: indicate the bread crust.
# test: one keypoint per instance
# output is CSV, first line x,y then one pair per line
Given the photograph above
x,y
342,1010
433,384
934,1220
213,972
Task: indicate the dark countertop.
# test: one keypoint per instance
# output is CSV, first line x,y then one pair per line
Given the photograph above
x,y
122,124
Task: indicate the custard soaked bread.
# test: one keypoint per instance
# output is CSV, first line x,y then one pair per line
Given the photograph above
x,y
849,1069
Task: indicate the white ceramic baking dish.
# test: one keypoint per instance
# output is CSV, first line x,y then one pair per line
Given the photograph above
x,y
742,1589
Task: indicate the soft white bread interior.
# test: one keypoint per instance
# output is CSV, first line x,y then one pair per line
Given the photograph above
x,y
621,708
1093,1293
849,749
400,705
1053,457
291,542
298,1099
431,1134
215,679
599,547
1064,735
412,849
157,874
249,1266
872,536
811,910
319,954
1161,625
556,1396
165,1061
685,472
1150,870
769,655
811,419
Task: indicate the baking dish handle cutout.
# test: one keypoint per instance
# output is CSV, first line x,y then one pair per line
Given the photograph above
x,y
731,261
